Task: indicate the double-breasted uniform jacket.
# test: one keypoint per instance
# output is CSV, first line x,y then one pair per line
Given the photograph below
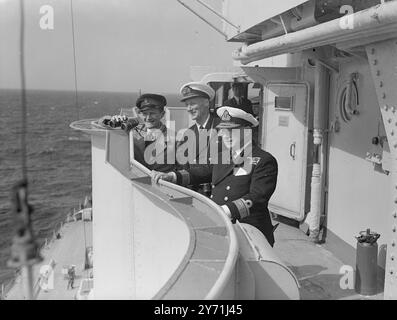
x,y
245,189
244,104
161,147
203,151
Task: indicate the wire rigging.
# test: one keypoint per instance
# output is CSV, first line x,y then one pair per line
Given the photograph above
x,y
74,62
77,109
23,91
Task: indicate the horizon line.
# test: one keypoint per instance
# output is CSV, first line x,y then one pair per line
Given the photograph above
x,y
103,91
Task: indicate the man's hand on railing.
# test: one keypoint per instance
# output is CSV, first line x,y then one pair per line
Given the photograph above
x,y
156,176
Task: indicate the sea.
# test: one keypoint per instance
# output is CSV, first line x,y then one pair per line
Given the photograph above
x,y
58,157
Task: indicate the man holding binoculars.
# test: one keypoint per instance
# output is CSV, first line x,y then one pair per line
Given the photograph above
x,y
152,145
151,142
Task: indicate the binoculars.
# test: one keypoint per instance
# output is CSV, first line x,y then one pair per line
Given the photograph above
x,y
121,122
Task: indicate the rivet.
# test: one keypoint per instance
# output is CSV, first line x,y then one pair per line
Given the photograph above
x,y
392,133
381,84
392,257
394,229
393,243
391,271
385,108
393,109
384,95
373,50
389,120
394,215
395,146
375,62
378,72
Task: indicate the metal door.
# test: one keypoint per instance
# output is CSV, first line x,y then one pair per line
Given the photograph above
x,y
285,137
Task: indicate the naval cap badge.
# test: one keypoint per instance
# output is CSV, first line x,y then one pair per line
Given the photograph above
x,y
226,116
186,90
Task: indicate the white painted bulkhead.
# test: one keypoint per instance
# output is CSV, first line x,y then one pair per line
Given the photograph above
x,y
132,235
358,193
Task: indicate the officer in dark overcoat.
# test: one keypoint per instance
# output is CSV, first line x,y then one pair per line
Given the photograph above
x,y
244,177
193,150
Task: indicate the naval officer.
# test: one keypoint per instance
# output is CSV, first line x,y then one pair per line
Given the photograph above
x,y
154,147
243,185
238,100
197,139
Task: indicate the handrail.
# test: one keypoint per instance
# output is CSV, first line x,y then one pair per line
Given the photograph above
x,y
6,286
232,255
231,258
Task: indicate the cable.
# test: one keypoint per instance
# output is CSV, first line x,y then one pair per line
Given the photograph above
x,y
74,63
23,91
78,117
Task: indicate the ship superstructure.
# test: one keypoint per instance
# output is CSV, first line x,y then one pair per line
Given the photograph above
x,y
326,71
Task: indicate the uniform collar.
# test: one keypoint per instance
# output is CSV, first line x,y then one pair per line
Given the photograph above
x,y
204,125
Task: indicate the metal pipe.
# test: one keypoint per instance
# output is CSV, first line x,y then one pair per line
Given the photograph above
x,y
202,18
320,112
131,145
218,14
370,22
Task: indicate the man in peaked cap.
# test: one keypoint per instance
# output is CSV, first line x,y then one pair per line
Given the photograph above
x,y
238,100
194,145
152,146
243,185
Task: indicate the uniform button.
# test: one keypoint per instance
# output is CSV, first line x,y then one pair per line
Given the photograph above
x,y
212,196
228,188
226,198
213,186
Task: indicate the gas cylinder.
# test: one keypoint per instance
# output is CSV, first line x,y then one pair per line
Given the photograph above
x,y
367,263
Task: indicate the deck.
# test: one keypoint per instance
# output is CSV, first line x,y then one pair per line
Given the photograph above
x,y
67,250
316,268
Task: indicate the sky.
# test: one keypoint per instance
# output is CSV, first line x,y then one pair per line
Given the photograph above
x,y
121,45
